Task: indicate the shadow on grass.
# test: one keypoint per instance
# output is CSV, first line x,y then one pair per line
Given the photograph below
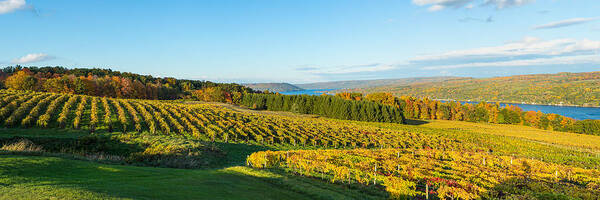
x,y
141,149
356,190
236,153
415,122
38,132
524,188
77,145
115,181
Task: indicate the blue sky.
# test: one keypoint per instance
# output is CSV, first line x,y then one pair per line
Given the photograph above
x,y
304,41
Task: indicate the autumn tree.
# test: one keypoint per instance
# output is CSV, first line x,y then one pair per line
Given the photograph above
x,y
383,98
350,95
22,80
215,94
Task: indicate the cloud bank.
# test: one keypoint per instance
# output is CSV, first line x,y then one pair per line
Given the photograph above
x,y
31,58
8,6
567,22
529,51
347,69
566,60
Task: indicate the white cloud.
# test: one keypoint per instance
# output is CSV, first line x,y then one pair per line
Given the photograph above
x,y
347,69
530,51
437,5
31,58
529,46
489,19
436,8
567,22
564,60
8,6
500,4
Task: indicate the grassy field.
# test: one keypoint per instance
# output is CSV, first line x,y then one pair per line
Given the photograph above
x,y
585,142
33,177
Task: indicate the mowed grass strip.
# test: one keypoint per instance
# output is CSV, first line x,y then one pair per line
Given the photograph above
x,y
32,177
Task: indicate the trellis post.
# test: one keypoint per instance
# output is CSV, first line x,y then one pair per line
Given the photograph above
x,y
375,174
426,191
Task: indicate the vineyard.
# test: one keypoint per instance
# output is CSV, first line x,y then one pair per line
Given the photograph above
x,y
435,174
435,160
202,121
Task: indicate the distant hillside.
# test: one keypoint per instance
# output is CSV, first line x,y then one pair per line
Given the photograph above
x,y
581,89
370,83
273,87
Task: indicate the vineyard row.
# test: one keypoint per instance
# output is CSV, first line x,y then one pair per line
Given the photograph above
x,y
49,110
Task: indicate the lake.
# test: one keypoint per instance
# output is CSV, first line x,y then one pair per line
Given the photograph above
x,y
579,113
309,92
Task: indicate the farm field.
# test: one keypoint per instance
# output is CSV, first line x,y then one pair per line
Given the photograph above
x,y
496,139
439,174
432,158
588,142
202,121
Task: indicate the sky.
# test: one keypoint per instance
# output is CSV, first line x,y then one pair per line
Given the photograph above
x,y
304,41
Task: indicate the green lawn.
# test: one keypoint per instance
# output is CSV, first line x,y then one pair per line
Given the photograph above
x,y
32,177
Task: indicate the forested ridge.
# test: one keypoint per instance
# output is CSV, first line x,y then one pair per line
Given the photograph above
x,y
107,83
273,87
581,89
371,83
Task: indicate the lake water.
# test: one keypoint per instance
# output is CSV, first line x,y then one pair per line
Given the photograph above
x,y
309,92
579,113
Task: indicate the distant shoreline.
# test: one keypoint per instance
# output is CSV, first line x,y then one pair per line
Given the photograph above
x,y
334,91
522,103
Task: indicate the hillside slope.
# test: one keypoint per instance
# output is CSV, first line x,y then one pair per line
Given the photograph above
x,y
273,87
371,83
582,89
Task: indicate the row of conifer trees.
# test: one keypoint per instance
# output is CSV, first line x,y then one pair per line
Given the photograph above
x,y
326,106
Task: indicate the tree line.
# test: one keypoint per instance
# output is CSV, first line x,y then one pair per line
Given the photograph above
x,y
105,83
326,106
427,109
